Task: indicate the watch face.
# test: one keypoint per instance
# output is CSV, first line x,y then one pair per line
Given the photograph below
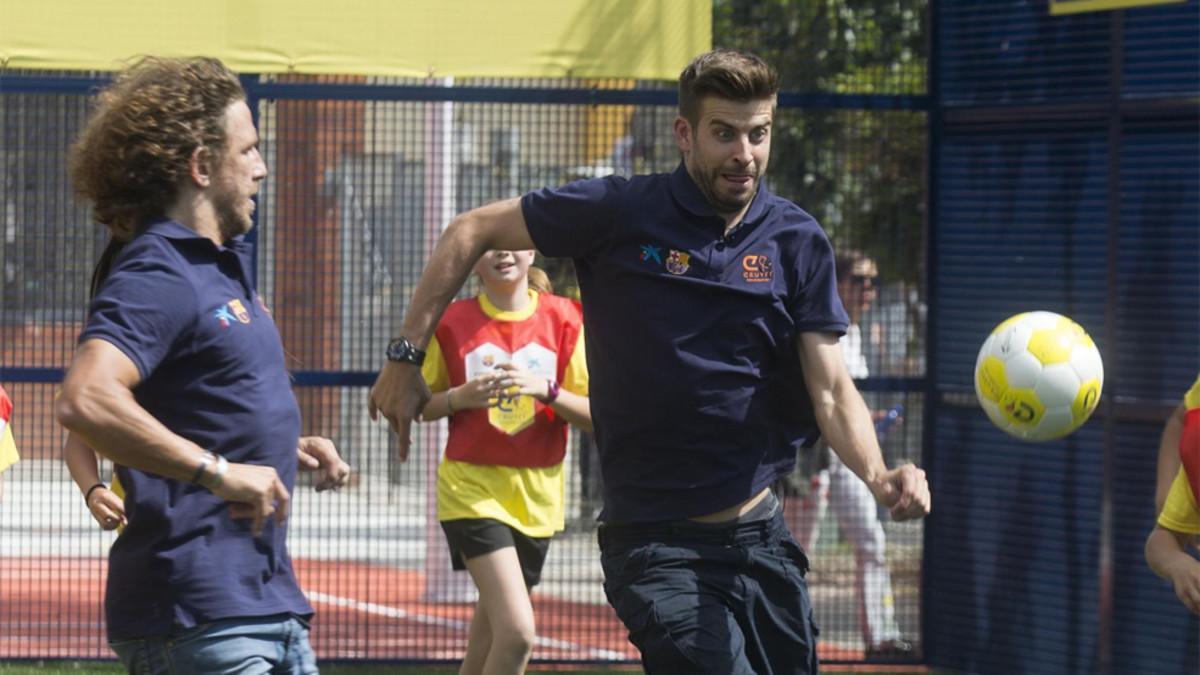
x,y
403,350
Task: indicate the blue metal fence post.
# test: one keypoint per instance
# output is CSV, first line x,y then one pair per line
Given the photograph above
x,y
933,122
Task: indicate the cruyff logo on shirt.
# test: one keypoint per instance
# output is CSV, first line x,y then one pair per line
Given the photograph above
x,y
678,262
757,268
231,311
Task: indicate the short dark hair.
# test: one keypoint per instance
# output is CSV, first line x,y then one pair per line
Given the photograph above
x,y
136,148
725,73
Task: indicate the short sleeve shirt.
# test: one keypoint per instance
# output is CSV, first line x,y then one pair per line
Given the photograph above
x,y
8,447
697,397
212,370
1180,512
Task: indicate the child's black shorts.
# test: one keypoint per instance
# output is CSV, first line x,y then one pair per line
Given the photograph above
x,y
473,537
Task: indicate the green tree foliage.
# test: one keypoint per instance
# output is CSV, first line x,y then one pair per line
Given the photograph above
x,y
861,173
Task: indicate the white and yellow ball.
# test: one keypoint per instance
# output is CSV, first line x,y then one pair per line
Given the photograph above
x,y
1039,376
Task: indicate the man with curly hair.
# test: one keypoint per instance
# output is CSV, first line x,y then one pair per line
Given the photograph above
x,y
179,378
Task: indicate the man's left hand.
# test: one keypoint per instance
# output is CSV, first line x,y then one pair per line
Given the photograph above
x,y
904,491
319,454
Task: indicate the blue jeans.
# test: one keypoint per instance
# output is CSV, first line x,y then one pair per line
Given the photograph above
x,y
703,599
246,646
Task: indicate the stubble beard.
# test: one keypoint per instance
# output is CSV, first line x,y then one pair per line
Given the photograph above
x,y
721,204
231,222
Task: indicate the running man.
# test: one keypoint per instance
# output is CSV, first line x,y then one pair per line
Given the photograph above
x,y
713,319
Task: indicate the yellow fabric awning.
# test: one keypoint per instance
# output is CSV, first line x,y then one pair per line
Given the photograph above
x,y
642,39
1077,6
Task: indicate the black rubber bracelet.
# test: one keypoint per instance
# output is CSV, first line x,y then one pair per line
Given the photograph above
x,y
88,495
205,460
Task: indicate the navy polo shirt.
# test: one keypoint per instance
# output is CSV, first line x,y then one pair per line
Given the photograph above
x,y
697,398
185,312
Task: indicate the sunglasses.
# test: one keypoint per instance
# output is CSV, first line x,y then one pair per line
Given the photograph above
x,y
864,280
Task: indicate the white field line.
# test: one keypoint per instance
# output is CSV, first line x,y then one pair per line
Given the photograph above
x,y
397,613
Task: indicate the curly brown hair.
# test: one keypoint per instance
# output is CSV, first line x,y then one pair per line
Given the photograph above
x,y
725,73
135,150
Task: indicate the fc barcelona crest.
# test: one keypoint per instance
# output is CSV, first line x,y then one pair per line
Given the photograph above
x,y
239,310
678,262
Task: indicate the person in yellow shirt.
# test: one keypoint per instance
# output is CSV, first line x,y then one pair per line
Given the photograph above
x,y
8,446
1178,525
507,368
107,503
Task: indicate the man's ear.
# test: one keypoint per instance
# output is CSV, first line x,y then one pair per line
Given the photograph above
x,y
683,134
200,167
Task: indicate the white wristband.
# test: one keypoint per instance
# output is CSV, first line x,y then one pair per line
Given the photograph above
x,y
206,461
221,468
212,470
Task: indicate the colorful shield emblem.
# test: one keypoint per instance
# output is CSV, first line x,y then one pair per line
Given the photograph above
x,y
678,262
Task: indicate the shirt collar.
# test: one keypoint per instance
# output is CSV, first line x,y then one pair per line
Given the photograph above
x,y
493,312
173,229
689,196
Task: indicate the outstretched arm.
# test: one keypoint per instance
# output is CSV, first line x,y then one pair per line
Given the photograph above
x,y
400,392
846,425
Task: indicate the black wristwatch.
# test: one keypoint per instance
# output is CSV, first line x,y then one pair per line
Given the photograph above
x,y
401,350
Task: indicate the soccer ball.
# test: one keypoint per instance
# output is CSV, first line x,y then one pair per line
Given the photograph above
x,y
1038,376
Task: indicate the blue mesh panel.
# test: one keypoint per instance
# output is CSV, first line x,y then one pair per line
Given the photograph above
x,y
1010,51
1162,50
1011,588
1023,211
1158,311
1022,228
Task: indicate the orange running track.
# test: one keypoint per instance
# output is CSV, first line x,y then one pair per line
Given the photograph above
x,y
51,608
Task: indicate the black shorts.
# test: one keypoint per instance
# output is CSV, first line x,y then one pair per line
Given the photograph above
x,y
727,599
473,537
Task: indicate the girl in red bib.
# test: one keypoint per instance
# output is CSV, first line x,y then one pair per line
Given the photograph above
x,y
1178,525
507,367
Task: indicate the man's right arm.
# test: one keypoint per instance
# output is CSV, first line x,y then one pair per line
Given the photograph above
x,y
97,403
846,426
400,393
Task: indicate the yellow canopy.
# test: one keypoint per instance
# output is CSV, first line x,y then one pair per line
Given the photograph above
x,y
642,39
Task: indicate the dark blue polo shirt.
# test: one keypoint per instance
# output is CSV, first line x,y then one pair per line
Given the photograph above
x,y
185,312
696,393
